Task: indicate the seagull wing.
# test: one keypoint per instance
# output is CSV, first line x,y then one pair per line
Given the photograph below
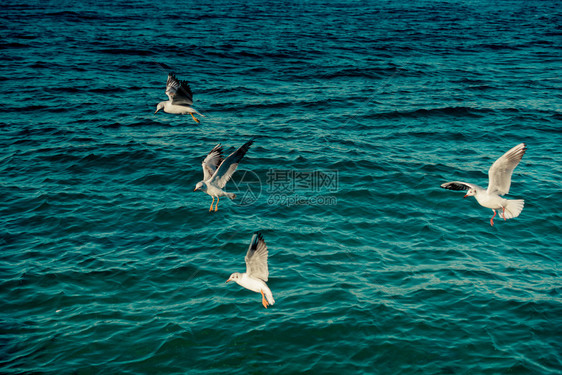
x,y
500,172
178,91
256,258
211,162
228,166
458,185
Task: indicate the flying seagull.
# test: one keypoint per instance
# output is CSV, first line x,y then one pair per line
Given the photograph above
x,y
181,98
257,272
499,182
217,172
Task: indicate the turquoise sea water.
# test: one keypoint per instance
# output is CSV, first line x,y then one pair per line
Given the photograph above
x,y
110,263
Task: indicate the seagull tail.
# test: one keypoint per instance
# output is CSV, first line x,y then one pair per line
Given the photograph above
x,y
199,113
269,297
513,208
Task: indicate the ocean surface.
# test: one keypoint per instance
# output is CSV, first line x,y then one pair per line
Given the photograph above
x,y
360,110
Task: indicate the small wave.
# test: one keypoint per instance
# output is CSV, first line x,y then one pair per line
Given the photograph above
x,y
498,46
14,45
372,73
445,111
41,108
75,16
126,51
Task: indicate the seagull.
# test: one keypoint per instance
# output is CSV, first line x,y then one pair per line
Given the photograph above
x,y
217,172
499,182
181,98
256,270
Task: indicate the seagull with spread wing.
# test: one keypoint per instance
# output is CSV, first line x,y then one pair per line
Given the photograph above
x,y
257,272
499,182
180,98
217,172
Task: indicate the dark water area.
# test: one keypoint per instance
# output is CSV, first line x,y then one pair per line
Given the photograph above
x,y
360,110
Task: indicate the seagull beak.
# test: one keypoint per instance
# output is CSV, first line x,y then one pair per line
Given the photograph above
x,y
195,189
227,281
155,112
465,196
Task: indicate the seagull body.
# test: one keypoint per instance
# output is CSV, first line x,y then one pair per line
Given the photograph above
x,y
499,183
217,172
257,272
180,98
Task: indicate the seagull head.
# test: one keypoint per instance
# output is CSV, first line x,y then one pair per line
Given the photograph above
x,y
235,276
200,186
159,107
470,193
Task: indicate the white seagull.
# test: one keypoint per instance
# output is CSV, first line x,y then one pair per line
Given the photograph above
x,y
257,272
217,172
499,182
181,98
